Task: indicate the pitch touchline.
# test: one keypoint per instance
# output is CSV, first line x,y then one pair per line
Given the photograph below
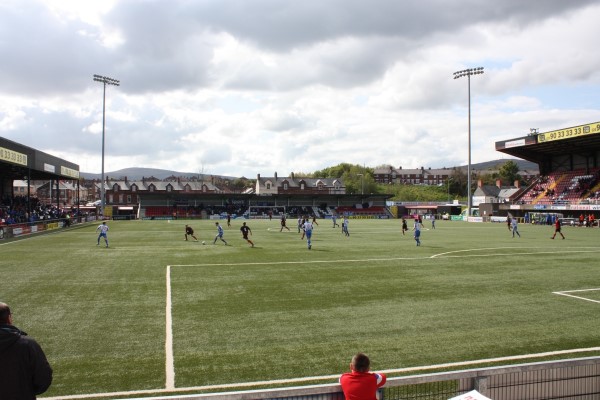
x,y
324,377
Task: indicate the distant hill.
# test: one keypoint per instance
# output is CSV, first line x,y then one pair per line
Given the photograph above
x,y
496,164
134,174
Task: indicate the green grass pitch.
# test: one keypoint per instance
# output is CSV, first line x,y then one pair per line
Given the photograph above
x,y
280,311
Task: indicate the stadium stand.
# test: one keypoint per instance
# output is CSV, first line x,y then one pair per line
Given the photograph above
x,y
569,181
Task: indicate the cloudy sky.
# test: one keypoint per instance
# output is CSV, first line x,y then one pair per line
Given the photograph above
x,y
246,87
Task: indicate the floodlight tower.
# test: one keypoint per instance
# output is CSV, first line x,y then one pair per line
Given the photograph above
x,y
459,74
105,80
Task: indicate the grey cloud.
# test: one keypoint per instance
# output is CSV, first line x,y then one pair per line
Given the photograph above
x,y
283,25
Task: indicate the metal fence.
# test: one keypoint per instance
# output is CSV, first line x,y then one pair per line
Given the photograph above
x,y
567,379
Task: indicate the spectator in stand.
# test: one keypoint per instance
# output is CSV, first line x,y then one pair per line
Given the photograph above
x,y
360,383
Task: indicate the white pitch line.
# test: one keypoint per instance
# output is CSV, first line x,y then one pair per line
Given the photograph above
x,y
169,358
301,262
325,377
170,366
448,254
566,293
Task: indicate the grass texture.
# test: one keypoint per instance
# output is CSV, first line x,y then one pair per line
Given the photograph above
x,y
279,310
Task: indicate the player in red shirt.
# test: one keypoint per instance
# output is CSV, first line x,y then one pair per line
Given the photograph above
x,y
557,229
360,384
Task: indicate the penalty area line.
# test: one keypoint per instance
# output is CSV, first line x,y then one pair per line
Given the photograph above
x,y
566,294
450,254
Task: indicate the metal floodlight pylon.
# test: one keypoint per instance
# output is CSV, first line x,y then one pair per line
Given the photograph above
x,y
459,74
105,80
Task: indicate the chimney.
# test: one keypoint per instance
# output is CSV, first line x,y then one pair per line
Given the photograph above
x,y
517,184
479,183
275,176
498,183
258,177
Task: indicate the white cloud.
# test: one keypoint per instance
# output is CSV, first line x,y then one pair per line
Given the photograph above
x,y
241,87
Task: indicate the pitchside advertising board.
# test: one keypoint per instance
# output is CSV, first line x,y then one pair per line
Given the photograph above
x,y
10,231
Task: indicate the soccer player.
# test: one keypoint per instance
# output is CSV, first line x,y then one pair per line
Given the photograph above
x,y
189,231
360,384
219,234
515,228
417,230
404,226
557,229
283,225
245,231
103,228
334,219
345,223
308,228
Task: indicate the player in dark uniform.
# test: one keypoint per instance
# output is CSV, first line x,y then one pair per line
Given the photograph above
x,y
189,232
245,231
557,229
283,223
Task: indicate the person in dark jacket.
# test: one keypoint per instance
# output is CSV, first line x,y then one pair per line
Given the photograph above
x,y
24,369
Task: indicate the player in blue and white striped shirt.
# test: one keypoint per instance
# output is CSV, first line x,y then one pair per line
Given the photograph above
x,y
103,230
219,234
308,228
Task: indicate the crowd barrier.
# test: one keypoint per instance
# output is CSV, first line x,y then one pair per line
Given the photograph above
x,y
565,379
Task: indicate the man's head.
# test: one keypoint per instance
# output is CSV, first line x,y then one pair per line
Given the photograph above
x,y
360,363
5,314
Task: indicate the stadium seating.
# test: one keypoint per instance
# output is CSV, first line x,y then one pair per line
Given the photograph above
x,y
564,187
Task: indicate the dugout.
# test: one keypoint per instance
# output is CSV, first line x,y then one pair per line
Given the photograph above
x,y
20,162
450,209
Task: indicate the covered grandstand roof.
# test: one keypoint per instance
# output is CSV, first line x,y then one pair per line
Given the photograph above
x,y
20,162
543,147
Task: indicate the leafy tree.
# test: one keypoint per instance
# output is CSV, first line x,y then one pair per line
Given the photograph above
x,y
509,172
